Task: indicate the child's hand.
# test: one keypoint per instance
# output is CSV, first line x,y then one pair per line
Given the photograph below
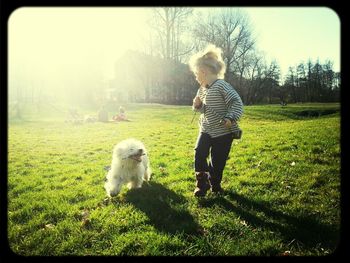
x,y
197,103
228,123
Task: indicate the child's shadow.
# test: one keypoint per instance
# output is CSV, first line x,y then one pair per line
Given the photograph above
x,y
304,228
165,209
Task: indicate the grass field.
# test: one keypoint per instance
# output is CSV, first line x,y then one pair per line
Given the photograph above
x,y
282,182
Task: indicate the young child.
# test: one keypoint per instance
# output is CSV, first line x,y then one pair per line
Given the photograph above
x,y
220,107
121,115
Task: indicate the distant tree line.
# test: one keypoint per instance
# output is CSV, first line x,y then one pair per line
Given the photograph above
x,y
311,83
160,73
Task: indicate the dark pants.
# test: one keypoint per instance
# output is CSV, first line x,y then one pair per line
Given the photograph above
x,y
219,149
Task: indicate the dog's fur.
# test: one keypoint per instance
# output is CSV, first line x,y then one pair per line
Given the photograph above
x,y
130,165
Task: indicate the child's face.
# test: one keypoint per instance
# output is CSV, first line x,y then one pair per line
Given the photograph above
x,y
200,75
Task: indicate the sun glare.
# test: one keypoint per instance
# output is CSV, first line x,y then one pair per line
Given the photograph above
x,y
73,38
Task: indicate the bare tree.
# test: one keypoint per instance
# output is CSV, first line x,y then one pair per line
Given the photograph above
x,y
291,83
301,81
328,75
253,72
169,24
169,28
273,78
230,30
309,83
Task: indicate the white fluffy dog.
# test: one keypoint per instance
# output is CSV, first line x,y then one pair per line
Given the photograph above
x,y
130,165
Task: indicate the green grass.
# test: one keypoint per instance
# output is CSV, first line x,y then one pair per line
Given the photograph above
x,y
282,182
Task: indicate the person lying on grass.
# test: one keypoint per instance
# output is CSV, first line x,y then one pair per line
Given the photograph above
x,y
121,116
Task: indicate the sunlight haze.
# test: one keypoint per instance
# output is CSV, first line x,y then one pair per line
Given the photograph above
x,y
74,37
59,48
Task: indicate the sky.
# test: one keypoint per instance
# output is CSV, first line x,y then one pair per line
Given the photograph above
x,y
48,43
74,37
291,35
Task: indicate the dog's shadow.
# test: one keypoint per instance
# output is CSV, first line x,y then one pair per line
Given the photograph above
x,y
165,209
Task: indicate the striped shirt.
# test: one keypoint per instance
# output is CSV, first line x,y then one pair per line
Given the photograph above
x,y
220,100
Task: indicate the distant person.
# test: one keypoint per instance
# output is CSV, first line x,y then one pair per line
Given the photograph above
x,y
102,115
74,116
220,107
74,113
89,118
283,103
18,112
121,116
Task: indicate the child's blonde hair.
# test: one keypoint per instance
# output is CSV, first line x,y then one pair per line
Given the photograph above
x,y
211,58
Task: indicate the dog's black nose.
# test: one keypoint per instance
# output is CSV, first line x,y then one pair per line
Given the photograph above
x,y
140,150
